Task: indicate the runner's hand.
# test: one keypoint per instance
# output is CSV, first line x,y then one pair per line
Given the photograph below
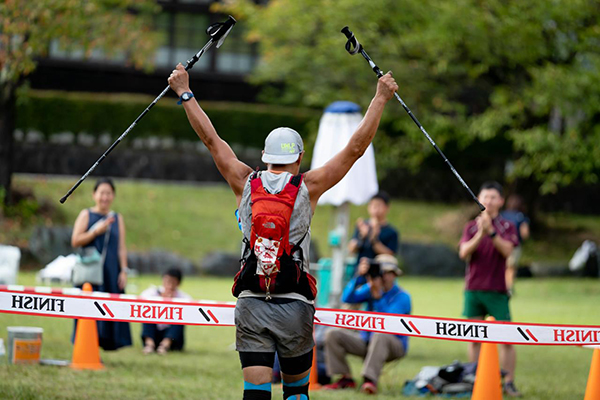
x,y
179,80
386,86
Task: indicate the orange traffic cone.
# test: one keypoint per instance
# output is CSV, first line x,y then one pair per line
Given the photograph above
x,y
86,352
313,381
487,380
592,391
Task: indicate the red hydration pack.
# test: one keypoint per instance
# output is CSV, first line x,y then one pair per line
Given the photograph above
x,y
271,263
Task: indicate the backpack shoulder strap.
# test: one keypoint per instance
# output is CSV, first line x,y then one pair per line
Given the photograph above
x,y
293,185
255,181
296,180
247,248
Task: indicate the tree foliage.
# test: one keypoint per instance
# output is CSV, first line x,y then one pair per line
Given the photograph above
x,y
471,70
27,29
120,29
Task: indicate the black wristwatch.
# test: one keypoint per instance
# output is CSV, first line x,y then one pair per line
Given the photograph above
x,y
185,96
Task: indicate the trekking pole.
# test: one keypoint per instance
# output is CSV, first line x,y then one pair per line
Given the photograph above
x,y
217,32
353,47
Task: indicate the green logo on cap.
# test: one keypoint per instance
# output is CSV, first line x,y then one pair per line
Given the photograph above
x,y
289,147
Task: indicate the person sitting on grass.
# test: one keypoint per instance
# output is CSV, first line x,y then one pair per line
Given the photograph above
x,y
162,337
374,284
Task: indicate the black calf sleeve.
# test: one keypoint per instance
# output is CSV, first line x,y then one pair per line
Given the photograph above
x,y
289,391
254,359
256,395
296,365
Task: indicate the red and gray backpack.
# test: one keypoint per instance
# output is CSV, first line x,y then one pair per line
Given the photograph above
x,y
270,263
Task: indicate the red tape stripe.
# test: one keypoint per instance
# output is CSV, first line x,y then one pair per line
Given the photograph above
x,y
108,310
414,327
213,316
531,334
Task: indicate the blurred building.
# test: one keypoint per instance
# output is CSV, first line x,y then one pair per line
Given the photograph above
x,y
219,75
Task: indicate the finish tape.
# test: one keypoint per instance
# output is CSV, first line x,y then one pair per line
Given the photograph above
x,y
73,303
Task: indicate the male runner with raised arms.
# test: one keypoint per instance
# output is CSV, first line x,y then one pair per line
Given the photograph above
x,y
281,322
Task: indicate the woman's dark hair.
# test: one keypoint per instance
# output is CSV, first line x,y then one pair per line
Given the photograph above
x,y
108,181
174,273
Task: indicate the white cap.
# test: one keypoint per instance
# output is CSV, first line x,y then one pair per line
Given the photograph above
x,y
388,263
282,146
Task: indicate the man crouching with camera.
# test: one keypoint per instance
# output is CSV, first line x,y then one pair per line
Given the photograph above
x,y
374,284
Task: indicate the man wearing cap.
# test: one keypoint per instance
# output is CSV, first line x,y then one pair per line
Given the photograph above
x,y
374,284
281,322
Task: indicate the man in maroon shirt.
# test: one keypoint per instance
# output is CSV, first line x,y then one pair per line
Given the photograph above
x,y
486,243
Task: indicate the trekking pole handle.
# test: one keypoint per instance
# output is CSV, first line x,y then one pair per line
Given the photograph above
x,y
353,47
217,32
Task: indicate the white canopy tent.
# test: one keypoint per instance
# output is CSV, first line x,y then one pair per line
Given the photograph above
x,y
337,125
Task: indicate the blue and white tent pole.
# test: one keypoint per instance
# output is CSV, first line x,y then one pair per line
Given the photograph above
x,y
337,125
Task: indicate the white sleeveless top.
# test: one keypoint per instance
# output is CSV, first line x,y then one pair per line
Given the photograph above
x,y
299,223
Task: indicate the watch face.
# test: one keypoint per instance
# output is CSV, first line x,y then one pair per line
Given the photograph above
x,y
186,96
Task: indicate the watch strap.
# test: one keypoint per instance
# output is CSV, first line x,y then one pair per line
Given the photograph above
x,y
182,99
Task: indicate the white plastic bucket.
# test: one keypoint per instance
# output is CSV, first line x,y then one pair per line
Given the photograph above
x,y
24,344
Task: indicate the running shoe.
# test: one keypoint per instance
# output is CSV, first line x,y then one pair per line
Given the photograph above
x,y
343,383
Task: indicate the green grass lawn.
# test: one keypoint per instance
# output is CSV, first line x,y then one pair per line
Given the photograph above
x,y
192,220
209,368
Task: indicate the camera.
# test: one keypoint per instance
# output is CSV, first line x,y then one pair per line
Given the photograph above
x,y
374,269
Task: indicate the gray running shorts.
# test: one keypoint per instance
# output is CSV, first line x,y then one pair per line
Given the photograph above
x,y
266,327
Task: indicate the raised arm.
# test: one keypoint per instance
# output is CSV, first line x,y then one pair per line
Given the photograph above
x,y
319,180
233,170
